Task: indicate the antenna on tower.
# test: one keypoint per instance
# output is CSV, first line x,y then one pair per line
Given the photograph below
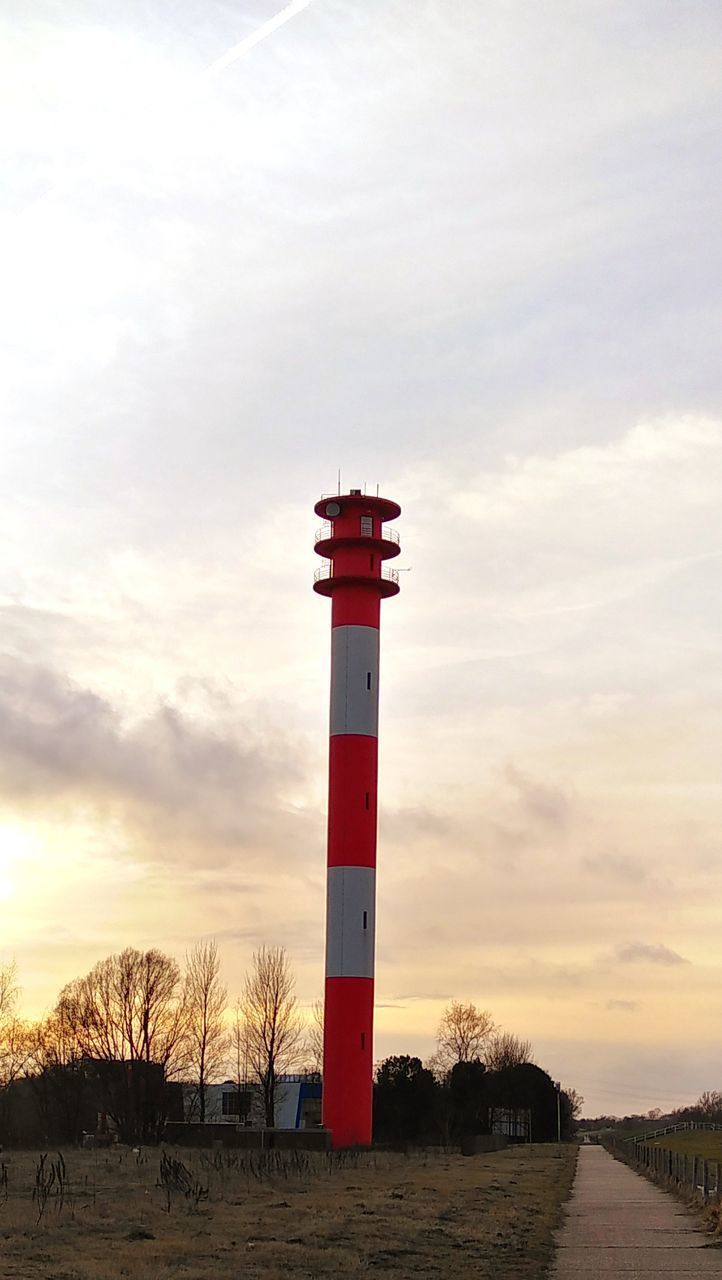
x,y
339,481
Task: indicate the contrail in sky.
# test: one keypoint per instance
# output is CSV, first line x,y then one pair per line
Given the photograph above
x,y
244,46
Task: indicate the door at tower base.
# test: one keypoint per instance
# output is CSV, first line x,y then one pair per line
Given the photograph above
x,y
348,1061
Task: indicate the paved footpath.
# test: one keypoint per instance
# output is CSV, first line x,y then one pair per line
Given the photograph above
x,y
619,1224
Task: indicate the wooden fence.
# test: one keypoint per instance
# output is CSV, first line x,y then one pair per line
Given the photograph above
x,y
685,1126
687,1173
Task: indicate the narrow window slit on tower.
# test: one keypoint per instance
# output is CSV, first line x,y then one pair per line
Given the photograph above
x,y
363,1039
368,679
368,800
366,919
371,562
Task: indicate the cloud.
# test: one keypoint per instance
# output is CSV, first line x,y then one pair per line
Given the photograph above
x,y
511,814
411,821
617,866
171,780
546,804
623,1006
591,478
404,998
648,953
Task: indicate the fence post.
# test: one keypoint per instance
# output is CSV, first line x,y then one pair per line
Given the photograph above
x,y
694,1173
705,1180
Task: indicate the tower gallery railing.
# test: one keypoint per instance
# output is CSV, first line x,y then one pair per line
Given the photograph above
x,y
326,571
325,533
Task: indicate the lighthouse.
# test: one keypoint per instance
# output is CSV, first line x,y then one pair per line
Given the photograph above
x,y
356,543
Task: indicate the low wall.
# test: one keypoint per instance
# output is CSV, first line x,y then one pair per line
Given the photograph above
x,y
475,1144
240,1138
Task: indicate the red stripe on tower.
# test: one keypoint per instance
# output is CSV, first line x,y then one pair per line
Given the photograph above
x,y
356,544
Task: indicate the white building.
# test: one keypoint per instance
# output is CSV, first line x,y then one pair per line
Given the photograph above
x,y
298,1103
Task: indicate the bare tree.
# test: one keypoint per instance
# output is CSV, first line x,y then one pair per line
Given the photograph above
x,y
239,1046
462,1036
709,1104
313,1038
129,1009
205,1000
238,1053
9,992
14,1034
160,1011
575,1102
57,1076
506,1050
14,1051
53,1043
273,1026
238,1061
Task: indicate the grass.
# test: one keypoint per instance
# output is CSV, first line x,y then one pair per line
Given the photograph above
x,y
233,1216
695,1142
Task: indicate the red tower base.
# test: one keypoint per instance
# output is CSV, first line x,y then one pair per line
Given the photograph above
x,y
347,1061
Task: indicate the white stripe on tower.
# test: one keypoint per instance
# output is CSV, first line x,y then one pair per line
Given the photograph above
x,y
351,922
355,680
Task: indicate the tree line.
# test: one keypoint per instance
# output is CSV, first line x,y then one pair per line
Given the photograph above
x,y
706,1110
480,1080
137,1022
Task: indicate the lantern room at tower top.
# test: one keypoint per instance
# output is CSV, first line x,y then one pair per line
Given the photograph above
x,y
355,541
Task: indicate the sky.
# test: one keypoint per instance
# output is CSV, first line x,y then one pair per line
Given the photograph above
x,y
469,253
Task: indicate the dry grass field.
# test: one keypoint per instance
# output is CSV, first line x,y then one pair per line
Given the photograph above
x,y
242,1216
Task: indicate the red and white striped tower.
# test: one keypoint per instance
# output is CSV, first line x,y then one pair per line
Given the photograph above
x,y
356,543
